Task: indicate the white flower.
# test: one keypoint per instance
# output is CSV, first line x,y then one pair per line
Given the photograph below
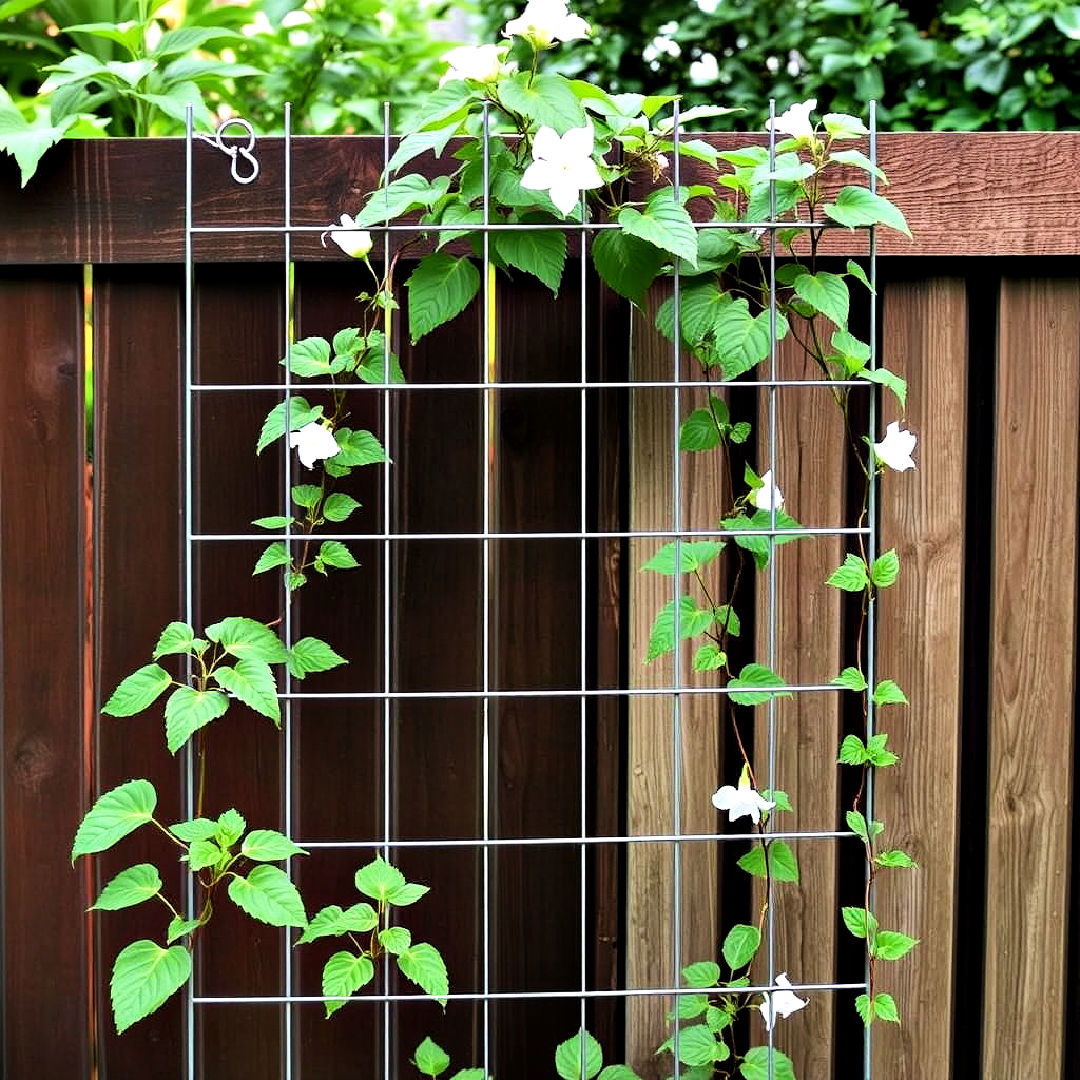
x,y
706,69
483,63
795,122
314,441
741,801
543,22
562,165
895,449
768,495
780,1002
353,241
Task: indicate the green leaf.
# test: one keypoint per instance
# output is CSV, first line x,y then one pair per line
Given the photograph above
x,y
755,685
883,1008
885,569
850,678
276,522
474,1073
1067,20
306,495
569,1056
423,965
888,693
395,939
859,826
854,269
626,264
196,829
827,293
547,99
406,193
186,39
266,845
727,619
693,555
700,305
851,576
699,431
755,1066
300,413
253,683
230,827
378,879
27,140
204,853
884,377
177,637
248,639
613,1072
440,288
690,1006
664,224
268,895
761,546
710,657
892,945
138,691
856,206
697,1045
702,975
860,922
344,974
430,1058
358,448
858,160
782,864
896,859
115,814
333,922
779,797
407,894
741,945
852,751
129,887
421,142
179,928
335,553
692,620
310,654
310,359
144,977
540,253
276,554
876,752
742,339
338,506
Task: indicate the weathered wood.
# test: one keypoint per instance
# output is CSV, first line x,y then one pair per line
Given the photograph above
x,y
650,901
810,470
45,985
1031,671
919,622
122,200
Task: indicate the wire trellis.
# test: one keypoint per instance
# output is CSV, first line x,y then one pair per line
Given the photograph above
x,y
489,382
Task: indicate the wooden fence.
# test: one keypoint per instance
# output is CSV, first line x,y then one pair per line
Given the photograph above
x,y
982,316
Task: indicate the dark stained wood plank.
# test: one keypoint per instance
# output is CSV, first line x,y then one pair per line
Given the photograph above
x,y
121,200
1032,685
45,989
137,320
919,646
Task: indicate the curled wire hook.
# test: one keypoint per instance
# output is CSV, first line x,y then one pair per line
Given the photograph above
x,y
235,152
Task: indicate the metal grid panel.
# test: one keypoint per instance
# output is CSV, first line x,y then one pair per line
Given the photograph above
x,y
488,383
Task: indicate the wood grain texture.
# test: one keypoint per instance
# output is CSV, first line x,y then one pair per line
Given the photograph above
x,y
122,200
44,982
919,621
1032,687
650,901
810,470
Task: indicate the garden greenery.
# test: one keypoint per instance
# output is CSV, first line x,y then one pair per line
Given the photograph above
x,y
557,150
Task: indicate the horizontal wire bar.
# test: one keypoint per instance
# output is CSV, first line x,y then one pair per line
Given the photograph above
x,y
577,227
691,384
573,841
530,995
577,692
716,534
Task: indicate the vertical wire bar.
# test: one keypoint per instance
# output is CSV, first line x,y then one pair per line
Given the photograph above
x,y
583,674
676,700
487,450
770,631
189,594
872,541
286,723
387,806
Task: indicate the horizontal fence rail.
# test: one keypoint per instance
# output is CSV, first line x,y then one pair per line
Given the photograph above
x,y
980,629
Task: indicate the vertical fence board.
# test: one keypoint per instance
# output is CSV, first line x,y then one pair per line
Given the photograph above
x,y
42,592
137,479
809,470
650,901
920,623
1032,685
